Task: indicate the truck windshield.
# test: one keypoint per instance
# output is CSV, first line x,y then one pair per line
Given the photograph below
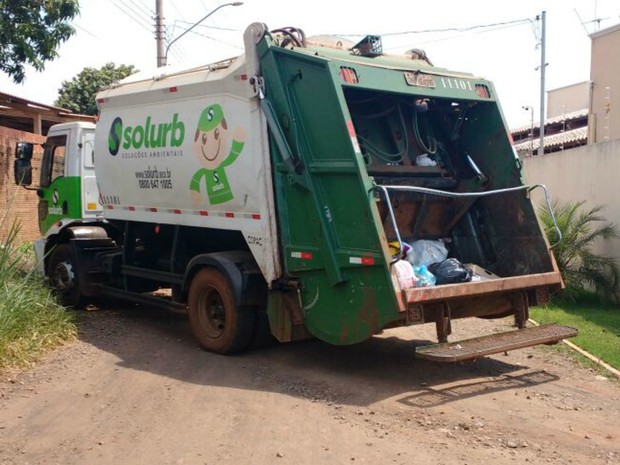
x,y
53,165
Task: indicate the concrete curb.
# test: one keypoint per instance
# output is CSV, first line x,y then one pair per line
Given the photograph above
x,y
588,355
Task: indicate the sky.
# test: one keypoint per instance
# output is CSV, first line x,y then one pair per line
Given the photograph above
x,y
497,40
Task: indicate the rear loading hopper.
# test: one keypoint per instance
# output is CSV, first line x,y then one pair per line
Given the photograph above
x,y
388,150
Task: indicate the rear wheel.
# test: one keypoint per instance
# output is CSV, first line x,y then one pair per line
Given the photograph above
x,y
219,324
62,273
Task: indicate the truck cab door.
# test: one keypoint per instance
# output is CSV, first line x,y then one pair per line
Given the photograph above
x,y
59,190
91,208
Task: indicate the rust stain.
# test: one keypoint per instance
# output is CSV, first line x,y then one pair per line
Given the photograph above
x,y
494,286
366,317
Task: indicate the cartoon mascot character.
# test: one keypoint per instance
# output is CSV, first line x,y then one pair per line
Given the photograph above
x,y
214,153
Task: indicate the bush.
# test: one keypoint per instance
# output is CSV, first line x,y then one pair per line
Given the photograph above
x,y
31,320
581,269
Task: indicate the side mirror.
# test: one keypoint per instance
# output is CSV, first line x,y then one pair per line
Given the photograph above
x,y
23,151
23,172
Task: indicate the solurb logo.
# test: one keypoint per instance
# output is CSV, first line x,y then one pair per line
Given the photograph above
x,y
114,138
149,136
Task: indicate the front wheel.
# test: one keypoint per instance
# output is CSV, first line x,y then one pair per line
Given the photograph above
x,y
219,324
62,273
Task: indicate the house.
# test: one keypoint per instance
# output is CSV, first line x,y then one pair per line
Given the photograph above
x,y
566,126
583,113
36,118
562,132
24,120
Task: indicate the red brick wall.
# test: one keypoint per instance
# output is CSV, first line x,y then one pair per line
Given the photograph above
x,y
16,203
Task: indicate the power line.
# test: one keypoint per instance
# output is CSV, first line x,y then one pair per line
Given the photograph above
x,y
461,29
208,27
179,55
134,19
176,8
144,9
452,37
85,30
146,18
179,51
170,30
215,40
447,29
146,6
499,28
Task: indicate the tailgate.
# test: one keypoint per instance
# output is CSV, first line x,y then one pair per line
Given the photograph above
x,y
472,289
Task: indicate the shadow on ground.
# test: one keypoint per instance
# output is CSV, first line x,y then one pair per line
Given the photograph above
x,y
158,342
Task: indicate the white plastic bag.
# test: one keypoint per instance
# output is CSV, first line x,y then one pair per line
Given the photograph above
x,y
425,160
425,252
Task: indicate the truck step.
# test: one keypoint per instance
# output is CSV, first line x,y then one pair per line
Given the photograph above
x,y
472,349
144,299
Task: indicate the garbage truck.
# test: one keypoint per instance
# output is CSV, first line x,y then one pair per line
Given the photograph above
x,y
280,192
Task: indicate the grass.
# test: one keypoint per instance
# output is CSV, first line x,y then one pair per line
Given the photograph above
x,y
598,324
31,319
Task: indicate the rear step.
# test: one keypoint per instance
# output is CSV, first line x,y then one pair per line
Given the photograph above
x,y
472,349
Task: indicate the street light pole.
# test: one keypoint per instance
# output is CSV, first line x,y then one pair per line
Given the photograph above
x,y
531,110
165,61
159,32
543,64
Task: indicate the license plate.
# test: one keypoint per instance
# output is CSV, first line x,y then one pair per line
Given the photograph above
x,y
419,79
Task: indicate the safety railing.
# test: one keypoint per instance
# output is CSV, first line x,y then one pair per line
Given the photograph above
x,y
426,190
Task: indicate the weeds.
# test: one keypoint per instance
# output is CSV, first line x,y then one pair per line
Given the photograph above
x,y
31,320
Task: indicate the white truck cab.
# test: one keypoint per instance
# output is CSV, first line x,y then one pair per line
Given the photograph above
x,y
67,189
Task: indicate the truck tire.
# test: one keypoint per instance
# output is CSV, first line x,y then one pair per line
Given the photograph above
x,y
219,324
63,276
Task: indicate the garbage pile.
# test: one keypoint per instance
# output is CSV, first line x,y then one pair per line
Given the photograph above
x,y
425,263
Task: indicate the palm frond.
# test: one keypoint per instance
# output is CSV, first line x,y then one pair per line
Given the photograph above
x,y
581,229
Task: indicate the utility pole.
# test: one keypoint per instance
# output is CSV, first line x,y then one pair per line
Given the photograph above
x,y
543,64
159,32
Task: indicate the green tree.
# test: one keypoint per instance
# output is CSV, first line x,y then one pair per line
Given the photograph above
x,y
78,94
31,31
582,269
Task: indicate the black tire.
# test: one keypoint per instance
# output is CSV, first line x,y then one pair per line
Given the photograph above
x,y
218,323
63,276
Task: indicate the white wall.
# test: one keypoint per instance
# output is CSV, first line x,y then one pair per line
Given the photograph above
x,y
590,173
568,99
604,70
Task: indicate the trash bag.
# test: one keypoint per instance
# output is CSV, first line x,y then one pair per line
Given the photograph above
x,y
425,160
404,273
395,247
424,278
426,252
450,271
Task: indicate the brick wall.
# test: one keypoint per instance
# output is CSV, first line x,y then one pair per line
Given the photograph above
x,y
16,203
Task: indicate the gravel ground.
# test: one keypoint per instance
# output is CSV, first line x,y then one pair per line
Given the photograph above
x,y
134,389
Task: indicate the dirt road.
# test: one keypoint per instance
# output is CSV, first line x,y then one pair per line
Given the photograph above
x,y
135,390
